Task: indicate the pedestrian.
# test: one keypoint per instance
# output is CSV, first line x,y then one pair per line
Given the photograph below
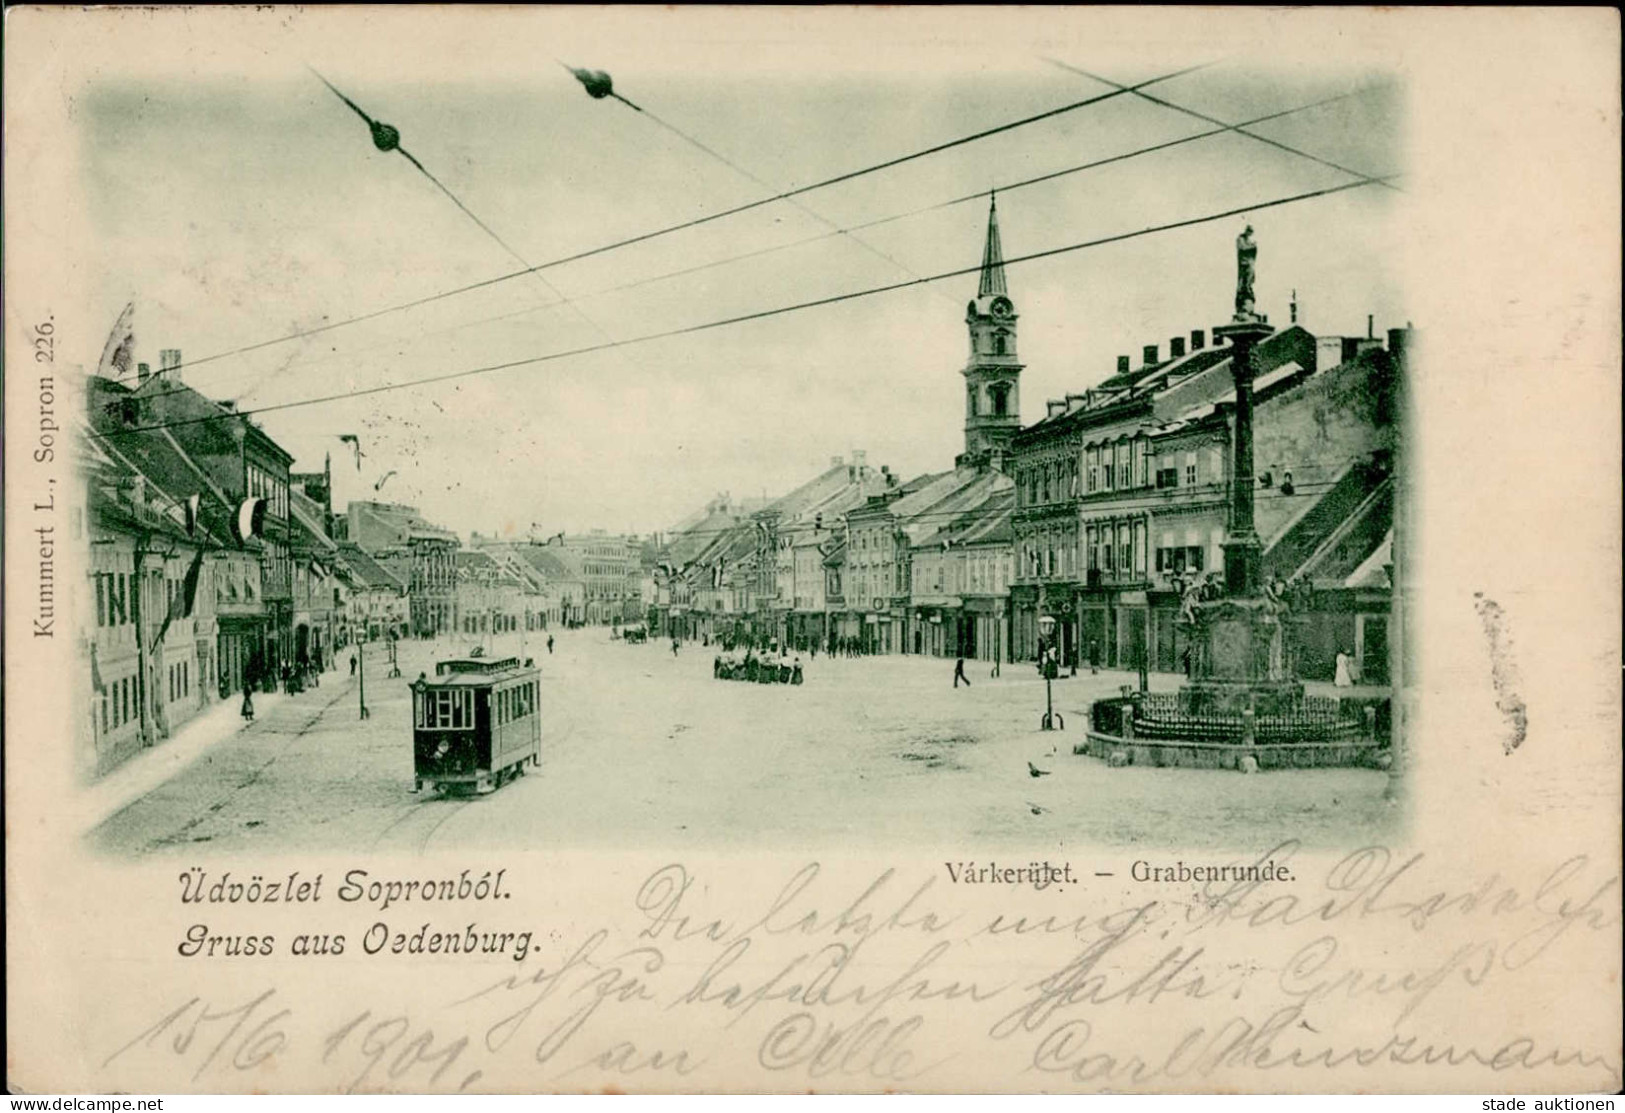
x,y
248,705
1185,660
674,647
550,645
352,662
1094,658
959,673
1344,676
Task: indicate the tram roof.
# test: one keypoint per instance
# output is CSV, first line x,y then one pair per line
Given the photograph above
x,y
478,671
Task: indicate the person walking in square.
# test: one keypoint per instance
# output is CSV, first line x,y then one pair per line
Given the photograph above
x,y
959,673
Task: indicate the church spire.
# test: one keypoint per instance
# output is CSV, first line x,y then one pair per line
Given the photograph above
x,y
992,256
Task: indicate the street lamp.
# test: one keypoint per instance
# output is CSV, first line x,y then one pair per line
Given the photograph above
x,y
1046,631
361,688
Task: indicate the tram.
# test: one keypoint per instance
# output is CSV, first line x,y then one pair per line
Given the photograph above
x,y
475,725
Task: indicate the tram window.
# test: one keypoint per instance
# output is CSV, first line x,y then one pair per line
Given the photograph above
x,y
449,710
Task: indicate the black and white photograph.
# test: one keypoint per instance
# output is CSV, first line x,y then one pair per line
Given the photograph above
x,y
1045,454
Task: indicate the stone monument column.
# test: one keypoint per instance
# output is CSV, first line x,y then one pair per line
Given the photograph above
x,y
1241,663
1243,551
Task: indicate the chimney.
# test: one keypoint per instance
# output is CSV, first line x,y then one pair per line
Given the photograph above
x,y
1294,307
1197,341
1397,343
229,407
1150,354
858,456
1122,365
1370,326
1076,400
1056,407
142,374
169,364
1176,347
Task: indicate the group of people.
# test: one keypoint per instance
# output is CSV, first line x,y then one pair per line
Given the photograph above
x,y
304,671
765,668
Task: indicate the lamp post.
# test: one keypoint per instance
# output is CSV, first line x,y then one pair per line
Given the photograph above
x,y
361,688
1046,630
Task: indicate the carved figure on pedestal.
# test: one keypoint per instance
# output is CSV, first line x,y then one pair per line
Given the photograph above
x,y
1246,260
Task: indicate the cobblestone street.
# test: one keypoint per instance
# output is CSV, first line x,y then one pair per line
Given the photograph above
x,y
643,748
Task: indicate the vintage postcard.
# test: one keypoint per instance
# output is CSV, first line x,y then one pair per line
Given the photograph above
x,y
563,550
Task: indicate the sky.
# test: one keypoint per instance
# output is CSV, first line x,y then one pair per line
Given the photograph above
x,y
237,203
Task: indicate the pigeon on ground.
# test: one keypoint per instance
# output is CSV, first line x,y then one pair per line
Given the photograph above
x,y
1036,809
1035,771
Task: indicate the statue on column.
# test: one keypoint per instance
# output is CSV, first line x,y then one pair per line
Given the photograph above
x,y
1246,255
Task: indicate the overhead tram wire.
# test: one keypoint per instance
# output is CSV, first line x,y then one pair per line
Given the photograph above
x,y
836,229
385,137
644,237
934,207
757,315
1237,128
1007,187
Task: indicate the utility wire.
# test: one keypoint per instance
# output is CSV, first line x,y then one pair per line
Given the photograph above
x,y
837,230
937,206
695,222
723,322
387,138
1237,128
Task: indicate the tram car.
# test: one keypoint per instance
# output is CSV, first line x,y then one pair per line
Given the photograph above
x,y
476,725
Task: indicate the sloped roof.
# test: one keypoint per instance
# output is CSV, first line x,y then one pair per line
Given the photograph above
x,y
553,564
967,508
155,456
307,520
404,520
368,571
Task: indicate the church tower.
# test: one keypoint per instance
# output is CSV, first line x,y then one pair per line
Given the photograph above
x,y
992,374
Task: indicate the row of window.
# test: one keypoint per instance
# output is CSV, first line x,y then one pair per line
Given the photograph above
x,y
112,599
1114,467
499,623
119,704
180,680
514,703
273,489
977,575
1180,558
445,709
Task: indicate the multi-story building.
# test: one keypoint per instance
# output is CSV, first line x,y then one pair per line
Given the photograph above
x,y
378,606
610,573
231,457
318,604
553,591
1086,476
961,583
807,520
490,596
174,586
397,536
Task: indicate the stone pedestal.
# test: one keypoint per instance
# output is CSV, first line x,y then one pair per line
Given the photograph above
x,y
1240,660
